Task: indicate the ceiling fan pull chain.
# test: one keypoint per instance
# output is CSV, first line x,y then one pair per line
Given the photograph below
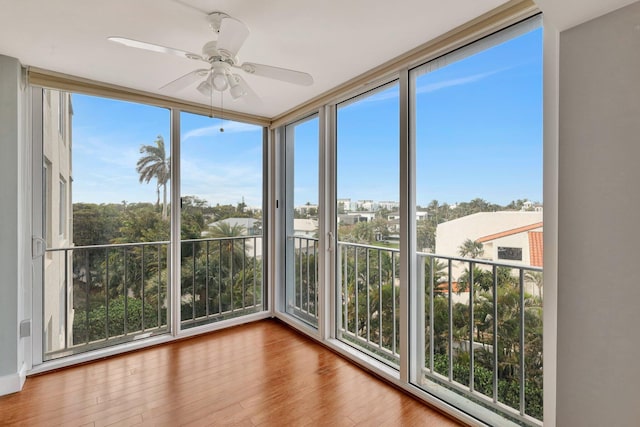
x,y
211,102
221,111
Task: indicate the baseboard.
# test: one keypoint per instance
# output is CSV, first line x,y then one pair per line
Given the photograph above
x,y
13,383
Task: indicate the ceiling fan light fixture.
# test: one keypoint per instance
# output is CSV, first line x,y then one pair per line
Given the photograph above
x,y
236,90
204,88
218,80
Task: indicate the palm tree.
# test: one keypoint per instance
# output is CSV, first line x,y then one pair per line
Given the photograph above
x,y
155,164
471,248
230,242
536,278
224,229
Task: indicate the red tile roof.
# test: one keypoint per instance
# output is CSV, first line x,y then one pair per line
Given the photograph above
x,y
509,232
444,287
536,248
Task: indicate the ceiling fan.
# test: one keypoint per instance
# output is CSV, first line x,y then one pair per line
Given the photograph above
x,y
222,60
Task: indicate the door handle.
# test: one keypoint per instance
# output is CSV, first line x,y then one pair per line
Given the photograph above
x,y
38,246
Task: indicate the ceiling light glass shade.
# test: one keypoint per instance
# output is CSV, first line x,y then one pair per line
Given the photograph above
x,y
218,80
236,91
204,88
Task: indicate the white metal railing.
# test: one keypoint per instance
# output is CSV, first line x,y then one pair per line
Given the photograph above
x,y
114,293
481,332
303,301
111,294
368,279
221,279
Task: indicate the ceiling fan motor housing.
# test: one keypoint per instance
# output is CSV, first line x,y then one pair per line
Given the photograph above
x,y
211,53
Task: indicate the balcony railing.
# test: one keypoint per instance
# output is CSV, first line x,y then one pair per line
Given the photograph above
x,y
479,322
368,277
221,279
302,298
481,333
109,294
102,295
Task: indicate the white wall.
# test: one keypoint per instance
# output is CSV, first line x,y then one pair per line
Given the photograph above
x,y
599,211
15,235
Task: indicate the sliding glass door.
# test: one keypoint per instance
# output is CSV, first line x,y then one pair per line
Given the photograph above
x,y
221,223
368,227
301,219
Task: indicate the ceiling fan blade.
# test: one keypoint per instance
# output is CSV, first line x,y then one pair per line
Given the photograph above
x,y
155,48
232,35
186,80
283,74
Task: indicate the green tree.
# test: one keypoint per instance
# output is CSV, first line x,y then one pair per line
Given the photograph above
x,y
536,278
95,224
140,222
134,315
224,229
471,249
192,220
154,164
426,235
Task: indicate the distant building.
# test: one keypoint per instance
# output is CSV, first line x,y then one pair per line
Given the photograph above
x,y
514,237
366,205
58,231
388,205
518,245
350,219
307,209
345,205
305,227
366,216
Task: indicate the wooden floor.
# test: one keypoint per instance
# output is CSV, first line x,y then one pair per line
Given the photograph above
x,y
258,374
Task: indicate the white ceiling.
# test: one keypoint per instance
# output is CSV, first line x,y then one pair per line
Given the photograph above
x,y
564,14
333,40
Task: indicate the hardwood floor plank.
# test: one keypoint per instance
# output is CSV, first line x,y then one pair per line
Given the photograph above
x,y
260,374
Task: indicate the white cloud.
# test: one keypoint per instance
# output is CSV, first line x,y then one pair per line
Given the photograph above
x,y
222,182
432,87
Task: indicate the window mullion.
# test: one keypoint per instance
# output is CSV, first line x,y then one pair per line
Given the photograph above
x,y
175,249
407,235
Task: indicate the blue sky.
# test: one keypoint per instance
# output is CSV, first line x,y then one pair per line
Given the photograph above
x,y
478,128
222,167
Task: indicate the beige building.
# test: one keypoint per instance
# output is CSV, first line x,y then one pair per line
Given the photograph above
x,y
509,237
58,212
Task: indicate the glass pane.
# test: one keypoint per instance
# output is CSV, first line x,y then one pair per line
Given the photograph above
x,y
478,132
221,219
301,293
106,183
368,257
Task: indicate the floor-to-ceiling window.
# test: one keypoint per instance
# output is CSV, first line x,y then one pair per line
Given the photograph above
x,y
301,219
471,197
221,184
477,126
107,169
106,193
475,285
368,228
